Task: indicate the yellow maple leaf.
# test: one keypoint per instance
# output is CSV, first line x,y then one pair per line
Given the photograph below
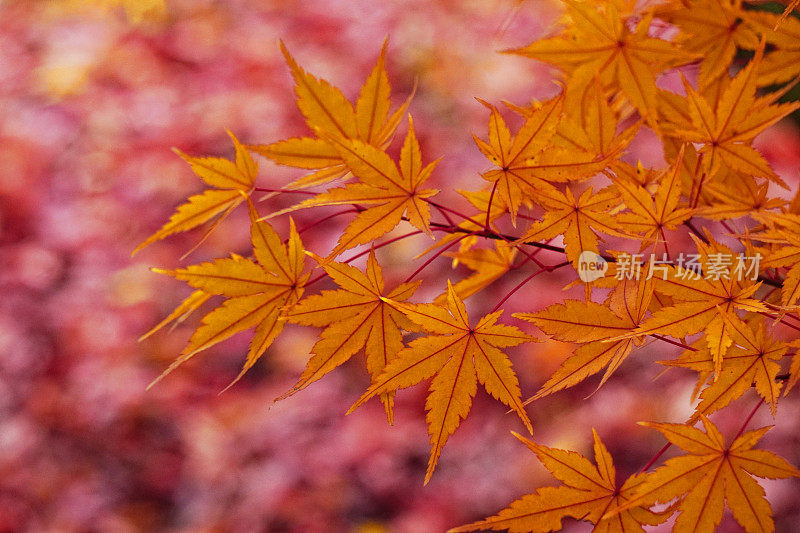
x,y
701,302
712,30
598,42
652,216
233,181
726,127
488,265
356,316
328,112
587,493
592,127
256,292
589,323
457,355
709,474
576,219
783,63
754,357
787,254
392,191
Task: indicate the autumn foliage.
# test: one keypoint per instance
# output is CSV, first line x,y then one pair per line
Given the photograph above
x,y
557,190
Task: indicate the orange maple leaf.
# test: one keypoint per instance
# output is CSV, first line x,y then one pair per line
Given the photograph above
x,y
231,179
589,323
598,42
327,111
392,191
457,355
753,358
709,474
355,317
587,493
257,292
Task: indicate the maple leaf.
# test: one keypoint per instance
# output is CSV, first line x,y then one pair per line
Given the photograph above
x,y
576,219
328,112
726,128
488,264
356,316
711,30
514,180
651,216
457,356
231,179
592,126
737,195
182,312
783,63
588,323
527,159
392,191
787,254
699,303
709,474
587,493
256,292
598,42
753,358
794,368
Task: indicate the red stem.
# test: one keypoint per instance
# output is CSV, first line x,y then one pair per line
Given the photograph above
x,y
676,343
749,418
489,207
437,254
526,280
655,457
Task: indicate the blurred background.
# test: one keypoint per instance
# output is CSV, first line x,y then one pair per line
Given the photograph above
x,y
93,96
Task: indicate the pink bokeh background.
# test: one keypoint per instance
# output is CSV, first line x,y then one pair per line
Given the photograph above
x,y
92,101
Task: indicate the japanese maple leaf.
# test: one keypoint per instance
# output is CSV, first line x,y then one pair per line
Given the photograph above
x,y
575,218
700,301
355,317
738,195
190,304
794,369
457,355
256,292
592,126
327,111
712,30
754,357
783,63
787,254
231,179
651,216
514,181
528,158
710,474
726,128
488,265
588,323
598,42
587,493
392,191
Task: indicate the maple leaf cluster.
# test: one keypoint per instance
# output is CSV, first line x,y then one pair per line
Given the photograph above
x,y
563,176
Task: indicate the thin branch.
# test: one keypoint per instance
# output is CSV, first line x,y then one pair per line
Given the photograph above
x,y
526,280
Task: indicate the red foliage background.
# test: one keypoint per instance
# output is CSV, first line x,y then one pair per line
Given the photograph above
x,y
92,101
